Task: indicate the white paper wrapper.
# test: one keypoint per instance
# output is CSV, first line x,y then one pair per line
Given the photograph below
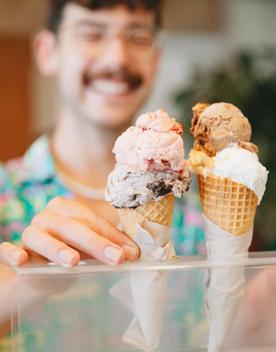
x,y
225,284
143,292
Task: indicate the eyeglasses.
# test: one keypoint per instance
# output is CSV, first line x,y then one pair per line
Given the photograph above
x,y
138,38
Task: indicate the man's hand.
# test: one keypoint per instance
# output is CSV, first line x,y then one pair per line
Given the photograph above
x,y
65,230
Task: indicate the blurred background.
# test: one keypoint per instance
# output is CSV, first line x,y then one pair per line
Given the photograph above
x,y
214,50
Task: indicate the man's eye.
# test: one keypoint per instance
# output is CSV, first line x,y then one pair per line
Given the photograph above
x,y
91,36
143,39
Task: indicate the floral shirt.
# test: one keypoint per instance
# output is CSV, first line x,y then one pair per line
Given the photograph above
x,y
28,183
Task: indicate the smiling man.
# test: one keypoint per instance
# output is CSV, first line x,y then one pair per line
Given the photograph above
x,y
104,55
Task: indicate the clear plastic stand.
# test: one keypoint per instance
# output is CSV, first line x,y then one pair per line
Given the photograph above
x,y
71,310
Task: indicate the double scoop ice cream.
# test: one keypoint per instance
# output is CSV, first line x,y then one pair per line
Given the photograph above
x,y
226,163
150,165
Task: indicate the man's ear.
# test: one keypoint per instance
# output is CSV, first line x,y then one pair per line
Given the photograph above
x,y
46,52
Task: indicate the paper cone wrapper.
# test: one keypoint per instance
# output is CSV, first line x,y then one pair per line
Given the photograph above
x,y
225,280
157,211
228,204
143,292
229,210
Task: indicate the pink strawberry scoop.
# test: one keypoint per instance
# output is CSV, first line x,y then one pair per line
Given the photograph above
x,y
149,162
154,143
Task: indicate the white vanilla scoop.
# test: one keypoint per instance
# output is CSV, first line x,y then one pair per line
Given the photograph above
x,y
241,166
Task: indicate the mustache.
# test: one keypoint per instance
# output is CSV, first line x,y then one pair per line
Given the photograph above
x,y
134,80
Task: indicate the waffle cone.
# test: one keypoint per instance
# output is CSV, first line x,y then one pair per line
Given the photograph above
x,y
228,204
158,211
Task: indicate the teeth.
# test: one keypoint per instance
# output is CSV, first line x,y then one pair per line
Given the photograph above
x,y
110,87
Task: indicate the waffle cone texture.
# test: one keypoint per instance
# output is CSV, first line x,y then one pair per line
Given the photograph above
x,y
158,211
228,204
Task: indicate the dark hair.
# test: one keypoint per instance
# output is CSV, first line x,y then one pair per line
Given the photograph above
x,y
57,7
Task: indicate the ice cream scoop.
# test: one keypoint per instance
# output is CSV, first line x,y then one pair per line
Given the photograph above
x,y
159,121
154,143
127,189
217,125
235,163
149,162
222,146
241,166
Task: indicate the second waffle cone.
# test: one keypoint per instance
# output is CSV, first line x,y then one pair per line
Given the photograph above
x,y
228,204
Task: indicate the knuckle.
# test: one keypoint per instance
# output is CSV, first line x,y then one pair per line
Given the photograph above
x,y
36,219
55,202
40,218
58,222
26,234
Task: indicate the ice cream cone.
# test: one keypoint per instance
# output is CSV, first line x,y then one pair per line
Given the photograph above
x,y
231,184
158,211
228,204
150,171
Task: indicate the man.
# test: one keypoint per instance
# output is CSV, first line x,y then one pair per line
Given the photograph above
x,y
105,56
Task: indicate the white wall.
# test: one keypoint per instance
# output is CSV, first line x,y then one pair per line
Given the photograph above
x,y
181,53
247,23
251,23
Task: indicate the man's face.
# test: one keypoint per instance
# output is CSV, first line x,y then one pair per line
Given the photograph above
x,y
106,62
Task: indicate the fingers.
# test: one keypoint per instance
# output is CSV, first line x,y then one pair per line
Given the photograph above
x,y
80,236
75,210
42,243
56,230
67,228
12,255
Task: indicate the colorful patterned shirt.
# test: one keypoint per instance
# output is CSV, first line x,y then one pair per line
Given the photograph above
x,y
27,184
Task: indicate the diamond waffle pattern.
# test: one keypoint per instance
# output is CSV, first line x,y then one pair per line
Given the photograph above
x,y
160,211
228,204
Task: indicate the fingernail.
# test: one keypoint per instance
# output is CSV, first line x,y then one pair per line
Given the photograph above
x,y
113,254
66,256
133,252
15,256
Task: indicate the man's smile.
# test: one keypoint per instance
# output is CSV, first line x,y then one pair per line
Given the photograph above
x,y
110,87
113,84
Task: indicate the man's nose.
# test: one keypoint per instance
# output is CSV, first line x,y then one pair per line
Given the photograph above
x,y
116,53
